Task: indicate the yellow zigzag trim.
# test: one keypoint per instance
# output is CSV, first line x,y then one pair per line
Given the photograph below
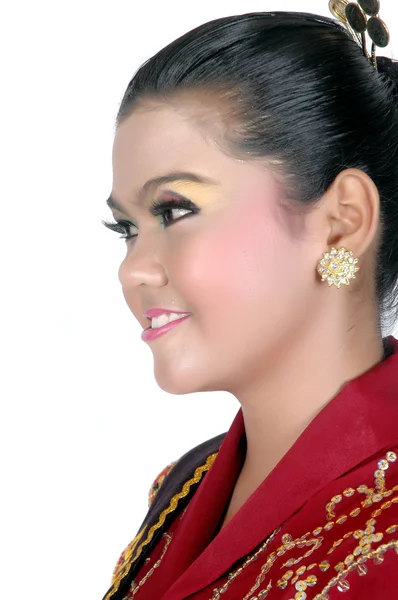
x,y
174,501
157,484
172,506
127,555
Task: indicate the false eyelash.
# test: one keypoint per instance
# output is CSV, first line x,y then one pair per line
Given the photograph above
x,y
121,227
157,207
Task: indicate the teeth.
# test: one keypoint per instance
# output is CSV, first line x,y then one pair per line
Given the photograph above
x,y
163,319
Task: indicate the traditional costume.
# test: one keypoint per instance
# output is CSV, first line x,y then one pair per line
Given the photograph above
x,y
323,522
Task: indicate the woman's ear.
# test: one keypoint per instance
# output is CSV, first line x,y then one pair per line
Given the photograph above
x,y
354,211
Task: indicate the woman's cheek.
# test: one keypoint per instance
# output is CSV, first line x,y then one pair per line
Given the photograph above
x,y
221,264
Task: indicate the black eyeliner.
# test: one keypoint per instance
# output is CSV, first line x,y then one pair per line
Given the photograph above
x,y
159,205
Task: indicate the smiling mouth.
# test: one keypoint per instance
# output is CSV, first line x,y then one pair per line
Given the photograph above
x,y
152,333
162,320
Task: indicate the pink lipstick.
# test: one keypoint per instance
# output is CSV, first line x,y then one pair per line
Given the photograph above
x,y
150,334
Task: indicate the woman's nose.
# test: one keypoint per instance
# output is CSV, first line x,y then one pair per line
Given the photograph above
x,y
142,265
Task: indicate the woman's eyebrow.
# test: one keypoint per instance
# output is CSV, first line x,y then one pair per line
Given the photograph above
x,y
152,184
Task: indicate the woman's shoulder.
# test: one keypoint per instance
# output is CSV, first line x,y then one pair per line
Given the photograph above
x,y
157,483
171,489
182,469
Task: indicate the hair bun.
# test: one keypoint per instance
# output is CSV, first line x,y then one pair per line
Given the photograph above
x,y
389,68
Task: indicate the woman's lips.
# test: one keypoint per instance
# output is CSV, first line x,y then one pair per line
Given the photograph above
x,y
150,334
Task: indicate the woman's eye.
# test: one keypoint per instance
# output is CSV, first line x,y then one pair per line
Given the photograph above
x,y
175,206
121,227
171,211
170,215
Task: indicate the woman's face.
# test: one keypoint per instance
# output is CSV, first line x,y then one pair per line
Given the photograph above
x,y
239,263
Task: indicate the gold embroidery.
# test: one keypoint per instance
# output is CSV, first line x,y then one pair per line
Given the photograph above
x,y
354,560
289,544
366,537
183,513
125,557
128,561
136,587
342,584
331,506
232,576
157,484
371,495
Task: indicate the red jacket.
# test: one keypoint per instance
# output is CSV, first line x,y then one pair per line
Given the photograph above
x,y
323,522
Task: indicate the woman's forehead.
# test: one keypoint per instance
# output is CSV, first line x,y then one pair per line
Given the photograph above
x,y
152,143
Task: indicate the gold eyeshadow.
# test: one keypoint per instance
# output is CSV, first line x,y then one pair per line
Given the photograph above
x,y
199,193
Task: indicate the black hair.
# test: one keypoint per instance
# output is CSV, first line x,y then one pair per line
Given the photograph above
x,y
301,93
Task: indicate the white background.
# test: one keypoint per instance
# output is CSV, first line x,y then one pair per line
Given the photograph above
x,y
84,428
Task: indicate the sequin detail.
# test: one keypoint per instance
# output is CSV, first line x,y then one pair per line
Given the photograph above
x,y
157,484
339,580
128,560
299,579
120,569
217,592
134,588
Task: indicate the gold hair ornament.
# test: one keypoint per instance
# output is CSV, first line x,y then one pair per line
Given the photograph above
x,y
337,267
355,18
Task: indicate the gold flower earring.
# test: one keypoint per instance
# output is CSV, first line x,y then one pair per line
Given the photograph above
x,y
337,266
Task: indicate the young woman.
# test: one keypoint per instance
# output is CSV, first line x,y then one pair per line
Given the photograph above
x,y
256,184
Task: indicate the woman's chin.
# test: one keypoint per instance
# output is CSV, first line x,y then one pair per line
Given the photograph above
x,y
176,386
173,381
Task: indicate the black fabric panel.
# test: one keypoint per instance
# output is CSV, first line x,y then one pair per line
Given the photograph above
x,y
182,471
